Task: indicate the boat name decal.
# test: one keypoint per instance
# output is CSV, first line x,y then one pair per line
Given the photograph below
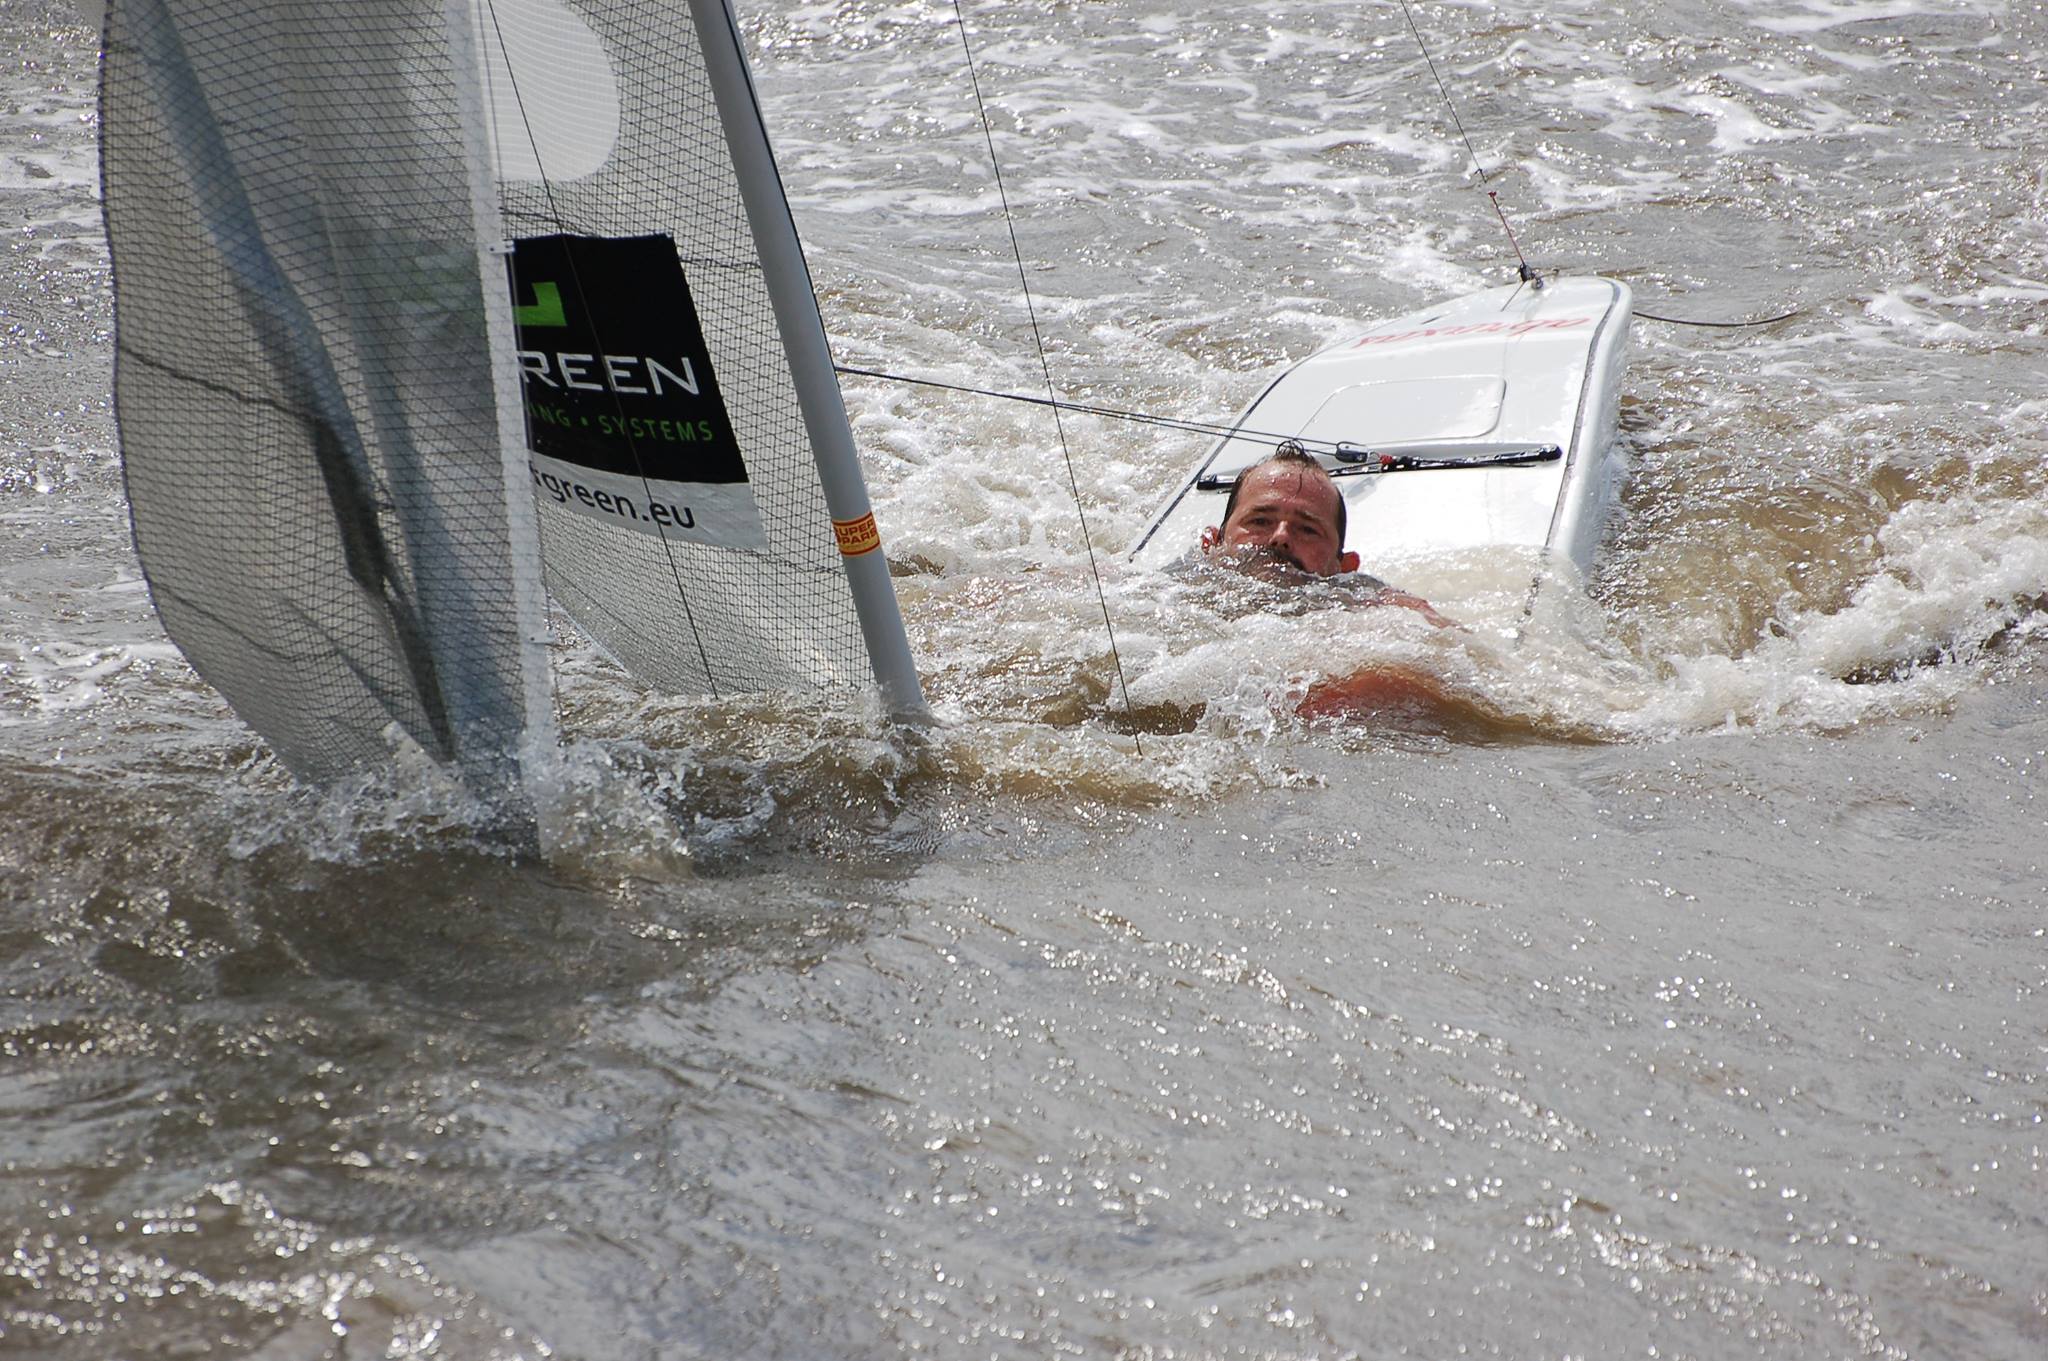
x,y
1477,328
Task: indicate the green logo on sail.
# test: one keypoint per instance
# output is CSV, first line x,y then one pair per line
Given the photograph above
x,y
545,309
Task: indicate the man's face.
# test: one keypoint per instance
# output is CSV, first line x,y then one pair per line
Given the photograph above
x,y
1285,522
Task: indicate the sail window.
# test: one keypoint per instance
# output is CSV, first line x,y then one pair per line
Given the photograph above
x,y
554,101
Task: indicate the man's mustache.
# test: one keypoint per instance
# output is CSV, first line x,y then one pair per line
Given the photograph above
x,y
1253,557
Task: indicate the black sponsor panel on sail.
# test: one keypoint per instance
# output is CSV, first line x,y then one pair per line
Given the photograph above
x,y
623,412
612,360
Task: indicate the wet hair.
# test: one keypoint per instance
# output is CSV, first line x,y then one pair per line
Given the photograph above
x,y
1291,454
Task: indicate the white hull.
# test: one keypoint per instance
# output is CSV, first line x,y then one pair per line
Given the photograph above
x,y
1513,368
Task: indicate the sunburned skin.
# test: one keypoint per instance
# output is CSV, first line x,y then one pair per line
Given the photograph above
x,y
1374,690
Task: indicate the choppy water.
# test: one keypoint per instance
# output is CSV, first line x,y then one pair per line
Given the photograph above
x,y
1678,987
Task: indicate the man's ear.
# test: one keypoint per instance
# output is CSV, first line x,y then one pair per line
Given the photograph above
x,y
1213,535
1347,562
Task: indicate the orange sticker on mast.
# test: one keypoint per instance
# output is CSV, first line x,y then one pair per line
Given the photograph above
x,y
857,536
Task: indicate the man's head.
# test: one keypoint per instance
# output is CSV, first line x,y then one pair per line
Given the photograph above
x,y
1284,515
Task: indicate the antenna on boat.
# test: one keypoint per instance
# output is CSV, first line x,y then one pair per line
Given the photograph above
x,y
1045,367
1528,275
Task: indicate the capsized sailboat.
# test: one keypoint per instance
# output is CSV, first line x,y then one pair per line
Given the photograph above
x,y
423,302
430,308
1485,421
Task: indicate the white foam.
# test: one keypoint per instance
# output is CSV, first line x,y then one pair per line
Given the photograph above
x,y
47,170
1624,108
2012,290
1426,259
1561,191
1776,79
1818,16
1956,575
1897,307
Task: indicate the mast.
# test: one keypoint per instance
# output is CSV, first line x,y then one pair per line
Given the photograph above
x,y
522,519
810,361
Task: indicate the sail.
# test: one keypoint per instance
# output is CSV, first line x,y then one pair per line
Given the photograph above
x,y
683,420
413,294
304,382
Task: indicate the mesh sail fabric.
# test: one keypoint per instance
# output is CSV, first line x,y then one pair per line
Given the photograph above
x,y
609,101
303,380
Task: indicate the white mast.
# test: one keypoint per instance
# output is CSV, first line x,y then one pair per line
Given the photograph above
x,y
810,360
522,518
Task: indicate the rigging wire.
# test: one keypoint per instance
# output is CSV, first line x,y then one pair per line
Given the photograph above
x,y
1106,412
1045,365
1057,404
1641,315
1528,275
576,283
